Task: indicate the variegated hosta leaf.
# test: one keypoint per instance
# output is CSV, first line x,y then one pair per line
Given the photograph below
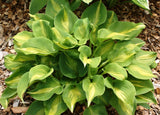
x,y
103,49
96,13
45,90
38,46
54,6
81,30
41,16
144,57
7,93
141,86
95,110
75,4
71,66
128,45
4,102
10,64
124,90
23,85
93,36
65,20
36,5
63,39
21,57
93,87
111,18
55,105
73,94
121,56
41,28
142,3
138,42
116,71
84,49
146,98
36,108
102,100
85,52
145,105
50,61
120,31
87,1
121,107
13,79
39,72
22,37
140,71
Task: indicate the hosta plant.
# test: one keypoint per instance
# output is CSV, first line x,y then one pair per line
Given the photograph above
x,y
94,60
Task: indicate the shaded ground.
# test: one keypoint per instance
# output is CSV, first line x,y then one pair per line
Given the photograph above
x,y
14,15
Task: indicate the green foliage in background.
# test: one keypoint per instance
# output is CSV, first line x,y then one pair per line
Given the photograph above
x,y
66,60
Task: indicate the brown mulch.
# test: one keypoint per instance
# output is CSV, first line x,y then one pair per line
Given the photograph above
x,y
14,15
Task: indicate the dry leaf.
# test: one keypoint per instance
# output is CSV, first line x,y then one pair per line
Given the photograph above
x,y
19,109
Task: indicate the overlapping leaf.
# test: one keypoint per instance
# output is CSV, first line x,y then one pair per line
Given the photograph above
x,y
142,3
41,28
140,71
75,4
10,64
71,66
146,98
123,98
122,57
111,18
116,71
103,49
36,108
13,79
120,31
124,90
36,46
23,85
121,107
102,100
85,53
81,30
54,6
141,86
65,20
95,110
73,94
39,72
36,5
87,1
7,93
63,39
55,105
22,37
41,16
21,57
44,91
96,13
93,87
144,57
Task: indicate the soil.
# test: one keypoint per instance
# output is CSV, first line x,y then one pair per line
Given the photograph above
x,y
13,18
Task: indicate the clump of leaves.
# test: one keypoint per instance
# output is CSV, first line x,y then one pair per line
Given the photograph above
x,y
65,60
